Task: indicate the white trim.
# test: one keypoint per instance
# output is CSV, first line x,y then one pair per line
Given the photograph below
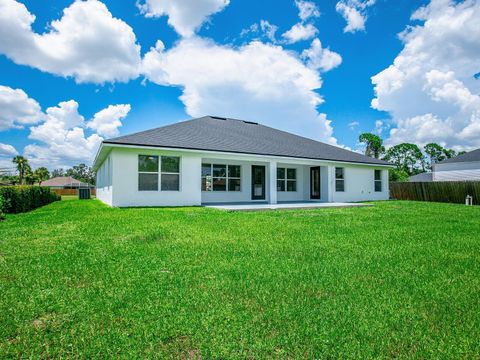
x,y
223,153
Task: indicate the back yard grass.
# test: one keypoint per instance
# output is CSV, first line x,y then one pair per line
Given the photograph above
x,y
399,279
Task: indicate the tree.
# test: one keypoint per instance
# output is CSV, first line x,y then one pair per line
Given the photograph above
x,y
405,156
82,173
30,177
42,174
58,173
22,167
398,175
449,153
374,144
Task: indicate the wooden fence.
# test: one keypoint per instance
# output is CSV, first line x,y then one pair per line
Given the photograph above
x,y
72,191
440,191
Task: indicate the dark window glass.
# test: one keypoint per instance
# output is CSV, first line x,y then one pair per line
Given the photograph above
x,y
291,174
280,185
170,164
291,185
219,170
233,184
234,171
147,182
339,173
219,184
147,163
170,182
280,173
378,186
378,175
339,185
206,169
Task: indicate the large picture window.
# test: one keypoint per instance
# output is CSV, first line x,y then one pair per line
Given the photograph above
x,y
151,168
339,179
221,177
286,179
378,180
147,173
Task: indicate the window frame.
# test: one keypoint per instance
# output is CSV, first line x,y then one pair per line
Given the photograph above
x,y
340,179
285,179
377,181
159,172
148,172
227,177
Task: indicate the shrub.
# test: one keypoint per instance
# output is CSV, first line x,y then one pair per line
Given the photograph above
x,y
2,207
17,199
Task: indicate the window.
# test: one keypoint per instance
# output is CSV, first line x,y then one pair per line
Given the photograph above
x,y
286,179
170,176
378,180
220,177
339,179
147,173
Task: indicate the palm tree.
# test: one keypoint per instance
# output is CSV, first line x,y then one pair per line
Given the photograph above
x,y
42,174
22,167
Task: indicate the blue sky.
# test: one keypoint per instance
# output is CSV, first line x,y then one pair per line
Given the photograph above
x,y
416,96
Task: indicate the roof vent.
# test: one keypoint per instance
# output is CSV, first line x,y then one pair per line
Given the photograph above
x,y
218,118
250,122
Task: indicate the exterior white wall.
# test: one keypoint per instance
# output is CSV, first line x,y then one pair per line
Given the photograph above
x,y
104,181
359,184
125,173
461,171
117,179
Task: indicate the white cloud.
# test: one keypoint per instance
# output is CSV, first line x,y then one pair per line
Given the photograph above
x,y
7,150
299,32
17,109
306,10
264,29
430,89
87,43
61,137
321,58
185,16
256,81
354,13
353,125
107,121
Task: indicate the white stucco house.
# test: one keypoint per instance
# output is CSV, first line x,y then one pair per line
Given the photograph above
x,y
211,160
464,167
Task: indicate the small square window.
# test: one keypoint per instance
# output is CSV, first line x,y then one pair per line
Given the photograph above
x,y
291,185
280,173
378,174
170,164
147,163
233,184
170,182
206,170
339,173
147,182
234,171
339,185
219,170
280,185
219,184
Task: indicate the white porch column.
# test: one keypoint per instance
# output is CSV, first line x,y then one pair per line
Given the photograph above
x,y
272,188
331,182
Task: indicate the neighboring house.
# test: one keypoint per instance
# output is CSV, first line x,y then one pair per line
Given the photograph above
x,y
422,177
218,160
464,167
64,182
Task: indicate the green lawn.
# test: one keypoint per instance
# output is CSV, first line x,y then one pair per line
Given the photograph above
x,y
399,279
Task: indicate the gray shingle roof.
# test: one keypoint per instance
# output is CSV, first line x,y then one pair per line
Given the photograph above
x,y
238,136
422,177
467,157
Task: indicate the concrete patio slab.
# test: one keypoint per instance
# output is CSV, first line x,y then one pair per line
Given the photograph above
x,y
281,206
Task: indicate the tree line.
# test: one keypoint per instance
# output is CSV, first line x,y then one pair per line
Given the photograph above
x,y
26,175
408,158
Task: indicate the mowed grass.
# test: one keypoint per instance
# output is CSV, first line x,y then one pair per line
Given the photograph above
x,y
399,279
